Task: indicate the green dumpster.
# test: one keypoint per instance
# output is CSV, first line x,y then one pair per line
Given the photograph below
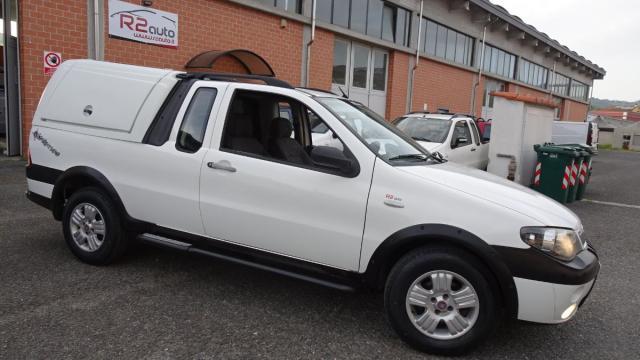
x,y
552,174
584,172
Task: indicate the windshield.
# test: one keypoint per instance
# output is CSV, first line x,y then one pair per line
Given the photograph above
x,y
387,142
425,129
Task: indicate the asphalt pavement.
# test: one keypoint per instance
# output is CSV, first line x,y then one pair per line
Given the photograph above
x,y
158,304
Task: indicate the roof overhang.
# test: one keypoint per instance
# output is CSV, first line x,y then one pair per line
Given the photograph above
x,y
514,24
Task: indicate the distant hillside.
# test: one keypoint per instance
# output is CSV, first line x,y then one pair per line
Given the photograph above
x,y
604,103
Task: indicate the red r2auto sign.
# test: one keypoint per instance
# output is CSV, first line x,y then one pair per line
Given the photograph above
x,y
143,24
50,62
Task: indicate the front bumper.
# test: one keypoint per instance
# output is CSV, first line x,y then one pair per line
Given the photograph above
x,y
549,303
549,290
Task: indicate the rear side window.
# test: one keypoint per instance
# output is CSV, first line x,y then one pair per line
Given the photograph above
x,y
194,123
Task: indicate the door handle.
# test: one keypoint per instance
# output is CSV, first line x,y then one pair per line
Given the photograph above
x,y
222,165
474,149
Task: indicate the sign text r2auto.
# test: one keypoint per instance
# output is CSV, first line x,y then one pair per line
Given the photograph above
x,y
143,24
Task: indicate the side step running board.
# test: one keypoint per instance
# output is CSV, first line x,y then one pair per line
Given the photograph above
x,y
179,245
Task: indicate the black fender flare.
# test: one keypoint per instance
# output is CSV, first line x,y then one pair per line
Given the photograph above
x,y
95,178
407,239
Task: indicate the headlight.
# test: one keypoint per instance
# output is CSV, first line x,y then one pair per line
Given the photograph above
x,y
563,244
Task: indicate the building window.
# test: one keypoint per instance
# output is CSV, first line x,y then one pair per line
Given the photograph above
x,y
340,51
559,84
579,90
379,70
292,6
360,66
403,26
499,62
375,18
533,74
440,41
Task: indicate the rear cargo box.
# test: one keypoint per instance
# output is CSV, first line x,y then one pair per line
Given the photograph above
x,y
104,99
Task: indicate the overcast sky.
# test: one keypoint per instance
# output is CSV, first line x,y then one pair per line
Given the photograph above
x,y
607,32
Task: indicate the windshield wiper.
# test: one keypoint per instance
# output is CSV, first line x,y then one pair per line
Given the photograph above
x,y
420,157
436,156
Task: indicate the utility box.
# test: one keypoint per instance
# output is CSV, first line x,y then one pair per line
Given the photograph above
x,y
519,122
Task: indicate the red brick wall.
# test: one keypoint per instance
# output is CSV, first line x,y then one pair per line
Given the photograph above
x,y
217,25
44,26
398,76
442,86
574,111
321,69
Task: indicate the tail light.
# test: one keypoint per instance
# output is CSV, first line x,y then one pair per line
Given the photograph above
x,y
29,158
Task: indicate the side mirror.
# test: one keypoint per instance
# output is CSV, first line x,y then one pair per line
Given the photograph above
x,y
460,141
332,158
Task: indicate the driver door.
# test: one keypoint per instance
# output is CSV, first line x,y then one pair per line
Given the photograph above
x,y
257,197
462,146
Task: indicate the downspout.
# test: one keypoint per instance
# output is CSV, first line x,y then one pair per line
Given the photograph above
x,y
313,37
415,67
96,32
475,86
553,80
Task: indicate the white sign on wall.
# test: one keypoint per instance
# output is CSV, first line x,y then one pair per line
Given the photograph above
x,y
50,61
143,24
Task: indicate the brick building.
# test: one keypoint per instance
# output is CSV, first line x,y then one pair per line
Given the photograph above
x,y
382,53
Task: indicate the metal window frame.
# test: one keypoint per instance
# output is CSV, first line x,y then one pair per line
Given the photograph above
x,y
423,49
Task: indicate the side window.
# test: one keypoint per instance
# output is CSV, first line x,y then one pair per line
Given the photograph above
x,y
194,123
476,133
461,135
283,130
321,134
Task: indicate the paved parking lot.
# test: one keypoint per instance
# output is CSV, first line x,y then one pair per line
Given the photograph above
x,y
161,304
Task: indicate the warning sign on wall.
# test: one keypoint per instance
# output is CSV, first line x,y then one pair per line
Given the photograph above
x,y
51,61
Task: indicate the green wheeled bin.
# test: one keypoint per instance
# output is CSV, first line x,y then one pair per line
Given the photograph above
x,y
552,174
584,172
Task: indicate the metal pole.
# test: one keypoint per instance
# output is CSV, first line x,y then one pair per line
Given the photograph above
x,y
96,31
413,71
475,86
313,37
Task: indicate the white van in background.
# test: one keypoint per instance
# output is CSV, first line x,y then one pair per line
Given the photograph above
x,y
571,132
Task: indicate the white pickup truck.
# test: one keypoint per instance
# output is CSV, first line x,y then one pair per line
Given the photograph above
x,y
456,137
226,166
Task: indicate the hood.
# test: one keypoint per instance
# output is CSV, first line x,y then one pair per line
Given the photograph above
x,y
499,191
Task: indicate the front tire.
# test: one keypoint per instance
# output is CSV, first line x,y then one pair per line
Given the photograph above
x,y
92,227
439,300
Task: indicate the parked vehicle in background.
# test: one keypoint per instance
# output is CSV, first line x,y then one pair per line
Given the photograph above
x,y
484,126
226,166
571,132
456,137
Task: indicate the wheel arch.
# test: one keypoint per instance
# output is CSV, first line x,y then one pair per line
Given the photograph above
x,y
405,240
78,177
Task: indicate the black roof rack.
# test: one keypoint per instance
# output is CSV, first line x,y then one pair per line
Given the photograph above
x,y
243,78
318,90
453,115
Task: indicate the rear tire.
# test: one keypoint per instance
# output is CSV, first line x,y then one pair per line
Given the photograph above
x,y
440,301
92,227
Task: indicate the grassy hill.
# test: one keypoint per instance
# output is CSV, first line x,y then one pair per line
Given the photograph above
x,y
605,103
